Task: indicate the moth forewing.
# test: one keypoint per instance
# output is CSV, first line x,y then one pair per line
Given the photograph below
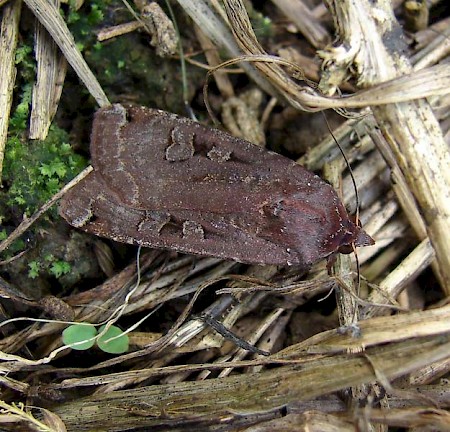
x,y
161,180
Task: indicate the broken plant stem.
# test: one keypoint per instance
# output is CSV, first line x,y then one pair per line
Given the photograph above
x,y
410,128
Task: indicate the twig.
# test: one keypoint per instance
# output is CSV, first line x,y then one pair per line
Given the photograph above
x,y
26,223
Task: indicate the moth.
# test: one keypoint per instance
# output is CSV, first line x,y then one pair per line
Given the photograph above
x,y
165,181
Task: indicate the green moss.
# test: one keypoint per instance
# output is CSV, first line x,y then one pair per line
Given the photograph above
x,y
34,269
60,268
35,170
81,22
25,61
50,265
122,62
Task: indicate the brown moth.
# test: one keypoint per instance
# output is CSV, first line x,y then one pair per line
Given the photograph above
x,y
165,181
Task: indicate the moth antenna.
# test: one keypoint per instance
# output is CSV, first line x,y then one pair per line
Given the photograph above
x,y
348,166
358,280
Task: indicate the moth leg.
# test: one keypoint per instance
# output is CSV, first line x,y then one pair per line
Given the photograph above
x,y
331,260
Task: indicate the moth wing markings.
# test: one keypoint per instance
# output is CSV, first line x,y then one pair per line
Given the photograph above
x,y
208,177
181,145
109,152
185,232
236,236
153,222
193,230
123,147
147,139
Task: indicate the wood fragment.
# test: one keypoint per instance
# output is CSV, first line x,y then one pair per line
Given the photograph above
x,y
434,52
424,37
212,56
234,396
118,30
164,36
419,259
9,33
52,20
216,29
416,15
50,75
403,193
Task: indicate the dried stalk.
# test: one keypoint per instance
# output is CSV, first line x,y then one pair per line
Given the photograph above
x,y
410,128
403,193
215,28
9,33
51,72
212,56
51,19
417,261
346,304
304,98
302,17
227,399
437,50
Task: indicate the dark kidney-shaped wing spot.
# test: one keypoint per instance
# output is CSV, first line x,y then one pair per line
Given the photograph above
x,y
193,230
182,147
217,154
153,222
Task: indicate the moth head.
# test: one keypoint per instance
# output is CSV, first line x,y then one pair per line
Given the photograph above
x,y
354,237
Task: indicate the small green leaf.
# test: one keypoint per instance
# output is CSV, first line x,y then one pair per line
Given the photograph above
x,y
49,257
60,169
77,333
56,166
19,200
34,267
96,15
46,170
98,46
60,268
117,346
